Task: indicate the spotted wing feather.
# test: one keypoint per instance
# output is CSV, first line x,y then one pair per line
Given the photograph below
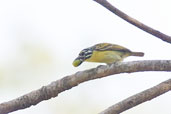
x,y
110,47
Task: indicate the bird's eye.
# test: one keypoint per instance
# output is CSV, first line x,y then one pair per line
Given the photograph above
x,y
82,53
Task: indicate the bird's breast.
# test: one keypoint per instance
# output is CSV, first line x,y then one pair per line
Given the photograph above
x,y
106,56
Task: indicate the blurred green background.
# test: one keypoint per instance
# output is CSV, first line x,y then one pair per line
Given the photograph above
x,y
39,39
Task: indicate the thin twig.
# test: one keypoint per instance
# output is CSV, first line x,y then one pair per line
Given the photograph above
x,y
66,83
139,98
133,21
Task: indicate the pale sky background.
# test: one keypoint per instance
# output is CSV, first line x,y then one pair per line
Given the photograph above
x,y
39,39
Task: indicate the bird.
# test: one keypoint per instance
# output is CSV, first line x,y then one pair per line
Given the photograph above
x,y
104,53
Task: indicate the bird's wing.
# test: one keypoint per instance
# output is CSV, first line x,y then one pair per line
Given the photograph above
x,y
110,47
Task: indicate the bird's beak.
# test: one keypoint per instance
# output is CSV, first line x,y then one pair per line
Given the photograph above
x,y
78,61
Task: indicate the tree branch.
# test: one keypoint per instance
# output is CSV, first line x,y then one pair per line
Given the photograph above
x,y
139,98
133,21
66,83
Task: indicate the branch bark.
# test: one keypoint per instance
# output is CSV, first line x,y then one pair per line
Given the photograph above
x,y
134,22
139,98
66,83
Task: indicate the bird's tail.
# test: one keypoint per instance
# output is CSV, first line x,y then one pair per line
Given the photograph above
x,y
140,54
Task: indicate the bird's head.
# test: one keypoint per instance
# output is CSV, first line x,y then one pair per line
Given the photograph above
x,y
83,55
